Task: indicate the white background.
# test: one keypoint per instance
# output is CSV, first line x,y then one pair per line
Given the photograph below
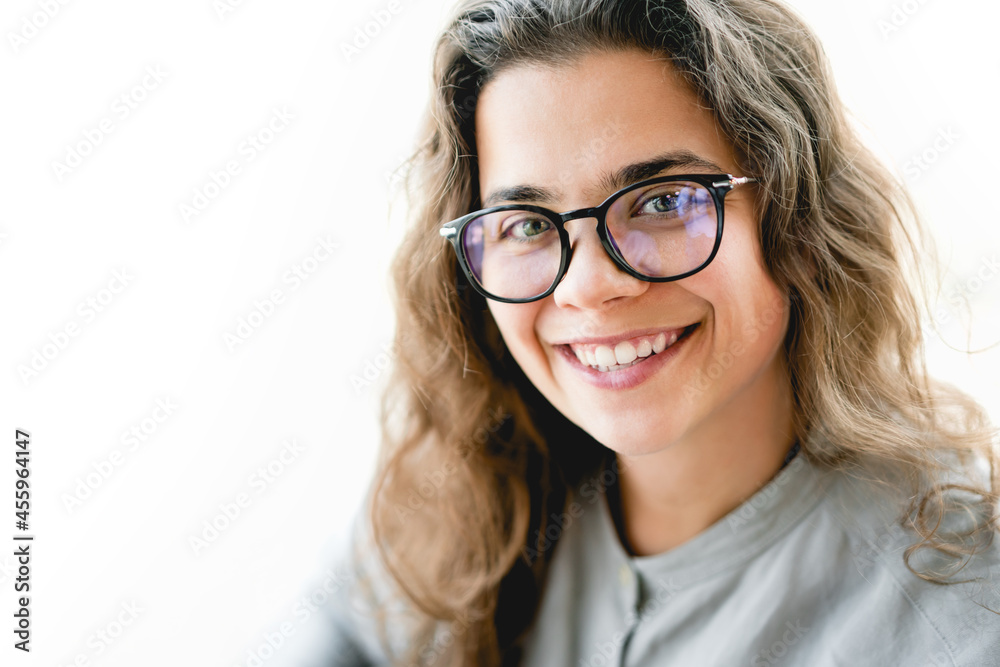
x,y
300,375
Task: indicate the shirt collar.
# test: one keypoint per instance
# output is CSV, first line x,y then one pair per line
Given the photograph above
x,y
735,538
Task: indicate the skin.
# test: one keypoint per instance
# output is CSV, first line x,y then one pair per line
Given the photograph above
x,y
713,424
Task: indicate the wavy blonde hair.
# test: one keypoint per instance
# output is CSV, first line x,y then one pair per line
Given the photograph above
x,y
474,460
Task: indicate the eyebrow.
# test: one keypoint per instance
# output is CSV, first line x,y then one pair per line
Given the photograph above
x,y
609,181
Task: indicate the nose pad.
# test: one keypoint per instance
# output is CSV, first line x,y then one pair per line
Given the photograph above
x,y
585,227
599,244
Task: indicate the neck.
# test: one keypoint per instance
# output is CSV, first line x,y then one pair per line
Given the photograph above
x,y
669,496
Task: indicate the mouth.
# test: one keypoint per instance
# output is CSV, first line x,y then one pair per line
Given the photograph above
x,y
627,353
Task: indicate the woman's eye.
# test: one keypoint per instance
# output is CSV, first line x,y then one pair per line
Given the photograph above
x,y
665,203
528,228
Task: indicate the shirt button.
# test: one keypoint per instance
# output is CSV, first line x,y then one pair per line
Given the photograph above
x,y
625,576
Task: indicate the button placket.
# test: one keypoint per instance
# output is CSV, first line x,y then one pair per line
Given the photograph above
x,y
629,584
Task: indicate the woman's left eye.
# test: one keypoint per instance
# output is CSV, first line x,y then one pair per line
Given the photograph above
x,y
660,204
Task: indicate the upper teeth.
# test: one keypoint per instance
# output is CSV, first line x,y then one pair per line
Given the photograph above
x,y
624,352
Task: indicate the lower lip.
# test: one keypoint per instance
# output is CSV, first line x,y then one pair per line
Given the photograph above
x,y
630,377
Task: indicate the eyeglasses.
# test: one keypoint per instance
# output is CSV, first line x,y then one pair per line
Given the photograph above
x,y
657,230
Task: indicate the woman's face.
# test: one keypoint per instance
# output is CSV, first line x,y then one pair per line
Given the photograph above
x,y
565,130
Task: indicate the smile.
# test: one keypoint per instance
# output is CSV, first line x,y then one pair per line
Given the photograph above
x,y
611,358
606,358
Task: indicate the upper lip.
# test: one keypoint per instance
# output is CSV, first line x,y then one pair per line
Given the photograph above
x,y
617,338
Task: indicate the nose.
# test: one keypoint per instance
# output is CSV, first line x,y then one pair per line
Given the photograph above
x,y
592,278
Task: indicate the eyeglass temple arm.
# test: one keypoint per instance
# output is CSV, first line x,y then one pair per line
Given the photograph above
x,y
733,182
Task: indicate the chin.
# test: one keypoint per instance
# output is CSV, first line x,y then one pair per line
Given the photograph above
x,y
630,438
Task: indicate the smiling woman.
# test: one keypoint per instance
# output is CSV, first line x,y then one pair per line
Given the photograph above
x,y
598,309
663,400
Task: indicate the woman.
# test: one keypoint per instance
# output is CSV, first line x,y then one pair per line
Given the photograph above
x,y
659,394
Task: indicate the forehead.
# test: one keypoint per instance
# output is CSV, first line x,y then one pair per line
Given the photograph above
x,y
565,128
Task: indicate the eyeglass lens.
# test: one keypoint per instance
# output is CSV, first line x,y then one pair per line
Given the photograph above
x,y
662,230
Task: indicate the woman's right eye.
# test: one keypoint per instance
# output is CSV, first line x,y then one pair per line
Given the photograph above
x,y
524,229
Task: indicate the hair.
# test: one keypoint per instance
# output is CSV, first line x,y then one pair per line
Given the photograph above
x,y
474,459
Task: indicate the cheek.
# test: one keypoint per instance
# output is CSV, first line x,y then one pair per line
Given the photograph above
x,y
749,309
761,315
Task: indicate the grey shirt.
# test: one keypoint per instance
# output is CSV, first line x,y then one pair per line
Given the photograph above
x,y
807,571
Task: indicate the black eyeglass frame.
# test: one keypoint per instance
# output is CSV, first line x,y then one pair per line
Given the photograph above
x,y
719,185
